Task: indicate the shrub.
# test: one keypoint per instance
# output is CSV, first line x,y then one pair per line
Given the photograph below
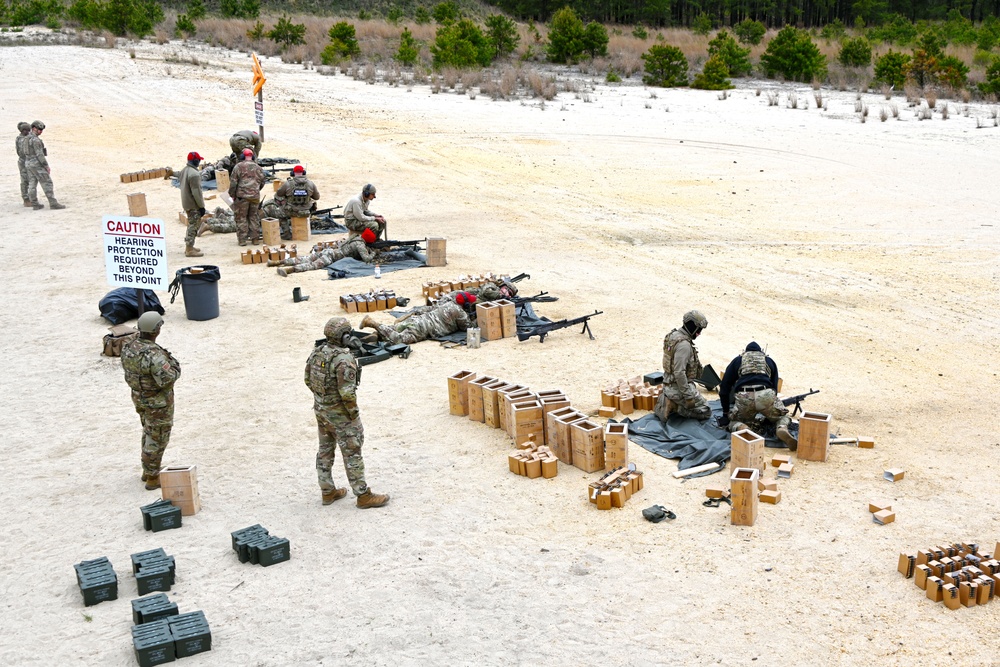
x,y
595,40
287,33
343,41
897,30
394,15
793,55
196,10
565,36
256,32
991,86
958,29
890,69
421,15
989,33
855,52
33,12
750,32
702,24
612,77
85,12
833,31
665,66
951,71
501,32
446,13
185,26
408,48
365,15
461,44
239,9
735,58
715,75
130,17
639,32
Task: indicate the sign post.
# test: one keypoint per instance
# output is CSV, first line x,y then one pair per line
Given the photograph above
x,y
258,90
135,254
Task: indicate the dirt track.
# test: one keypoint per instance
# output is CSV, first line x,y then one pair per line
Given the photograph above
x,y
864,256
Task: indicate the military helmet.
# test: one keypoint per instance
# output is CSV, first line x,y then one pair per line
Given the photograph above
x,y
39,124
23,127
150,322
335,329
696,318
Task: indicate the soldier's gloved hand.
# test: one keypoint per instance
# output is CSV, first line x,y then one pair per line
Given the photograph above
x,y
201,211
313,207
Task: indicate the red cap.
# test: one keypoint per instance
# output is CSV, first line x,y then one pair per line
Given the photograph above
x,y
463,298
194,156
247,152
469,298
368,235
298,169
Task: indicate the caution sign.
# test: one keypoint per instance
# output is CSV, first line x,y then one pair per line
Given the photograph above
x,y
135,252
258,112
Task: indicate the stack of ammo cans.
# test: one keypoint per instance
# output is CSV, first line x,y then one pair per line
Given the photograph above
x,y
168,638
253,544
154,571
98,581
161,515
152,607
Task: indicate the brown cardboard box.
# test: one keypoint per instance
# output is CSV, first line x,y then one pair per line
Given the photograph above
x,y
609,399
246,257
222,180
866,442
509,399
587,440
551,403
502,404
508,317
526,420
785,470
137,204
615,446
458,392
618,497
950,595
778,459
179,484
491,412
605,412
558,440
271,228
179,476
767,484
920,576
626,403
436,252
747,451
533,469
348,303
604,500
716,491
476,397
879,505
514,462
894,474
814,436
883,517
550,467
907,565
300,229
743,487
772,497
986,590
490,323
934,589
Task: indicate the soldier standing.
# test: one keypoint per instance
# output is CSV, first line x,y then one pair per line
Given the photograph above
x,y
151,372
333,376
357,217
192,202
680,367
749,388
298,196
37,164
445,318
19,145
247,180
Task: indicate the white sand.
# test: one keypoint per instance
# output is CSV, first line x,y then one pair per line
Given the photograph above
x,y
863,255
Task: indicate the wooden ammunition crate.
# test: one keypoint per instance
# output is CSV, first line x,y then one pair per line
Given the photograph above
x,y
508,318
458,392
476,397
272,231
436,253
814,436
490,322
747,451
587,440
300,229
615,445
137,204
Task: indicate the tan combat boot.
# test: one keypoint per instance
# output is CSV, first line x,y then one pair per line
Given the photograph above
x,y
369,499
274,262
152,482
191,251
369,323
202,229
786,437
329,497
283,271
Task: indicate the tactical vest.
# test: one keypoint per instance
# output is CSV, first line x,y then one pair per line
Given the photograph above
x,y
754,363
135,364
300,196
323,364
693,369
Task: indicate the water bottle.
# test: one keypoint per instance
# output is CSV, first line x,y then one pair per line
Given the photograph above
x,y
378,272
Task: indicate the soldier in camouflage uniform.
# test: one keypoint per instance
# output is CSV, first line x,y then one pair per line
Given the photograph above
x,y
19,143
244,187
358,218
298,196
192,201
37,165
356,247
219,221
680,367
440,320
332,374
488,291
245,139
748,394
151,372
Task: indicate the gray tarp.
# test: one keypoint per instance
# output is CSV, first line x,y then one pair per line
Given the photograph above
x,y
352,268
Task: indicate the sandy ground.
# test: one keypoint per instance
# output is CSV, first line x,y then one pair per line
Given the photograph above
x,y
864,256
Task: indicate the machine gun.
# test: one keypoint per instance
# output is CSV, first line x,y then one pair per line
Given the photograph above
x,y
522,301
324,211
385,245
543,330
797,400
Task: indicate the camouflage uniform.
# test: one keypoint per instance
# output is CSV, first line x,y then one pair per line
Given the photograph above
x,y
353,247
358,218
20,142
227,163
443,319
247,180
295,197
756,399
333,376
245,139
192,201
221,221
483,293
151,372
680,367
37,166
